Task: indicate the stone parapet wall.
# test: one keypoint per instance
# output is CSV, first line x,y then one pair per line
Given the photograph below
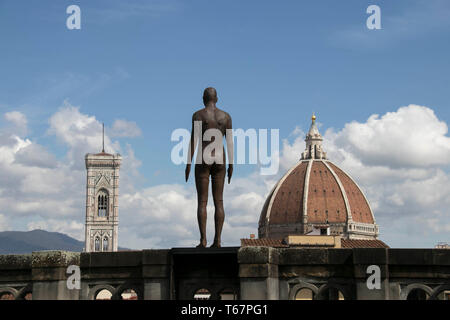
x,y
247,272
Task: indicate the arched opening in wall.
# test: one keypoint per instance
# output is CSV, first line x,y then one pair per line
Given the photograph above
x,y
103,294
97,244
417,294
228,294
27,295
129,294
304,294
444,295
332,294
6,296
105,244
102,203
202,294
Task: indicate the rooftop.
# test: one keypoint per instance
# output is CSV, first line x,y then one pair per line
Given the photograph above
x,y
345,243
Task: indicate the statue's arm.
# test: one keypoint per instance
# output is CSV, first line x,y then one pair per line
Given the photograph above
x,y
192,143
230,146
194,138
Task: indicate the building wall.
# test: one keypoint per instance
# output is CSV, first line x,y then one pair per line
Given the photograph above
x,y
246,272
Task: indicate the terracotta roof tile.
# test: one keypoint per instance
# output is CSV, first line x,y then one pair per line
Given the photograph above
x,y
354,243
325,200
328,188
360,208
287,205
263,242
345,243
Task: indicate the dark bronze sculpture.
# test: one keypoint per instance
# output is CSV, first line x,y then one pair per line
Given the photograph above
x,y
219,122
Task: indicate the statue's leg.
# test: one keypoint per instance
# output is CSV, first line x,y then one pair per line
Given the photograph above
x,y
218,179
202,184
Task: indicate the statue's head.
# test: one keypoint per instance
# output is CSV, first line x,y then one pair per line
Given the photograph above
x,y
210,94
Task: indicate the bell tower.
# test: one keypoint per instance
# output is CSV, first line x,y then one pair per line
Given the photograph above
x,y
102,206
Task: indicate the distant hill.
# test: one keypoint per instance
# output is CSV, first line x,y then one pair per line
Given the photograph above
x,y
18,242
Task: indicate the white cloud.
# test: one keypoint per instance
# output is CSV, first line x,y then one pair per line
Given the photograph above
x,y
35,155
80,132
73,128
436,223
16,117
123,128
410,137
19,120
38,225
291,153
4,225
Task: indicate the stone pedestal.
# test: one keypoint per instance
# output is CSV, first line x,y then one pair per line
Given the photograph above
x,y
258,273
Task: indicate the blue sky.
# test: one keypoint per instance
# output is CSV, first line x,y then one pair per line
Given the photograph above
x,y
273,64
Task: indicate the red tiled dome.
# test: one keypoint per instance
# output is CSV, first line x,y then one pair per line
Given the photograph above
x,y
316,193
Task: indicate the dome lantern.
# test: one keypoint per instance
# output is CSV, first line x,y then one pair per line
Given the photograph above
x,y
314,149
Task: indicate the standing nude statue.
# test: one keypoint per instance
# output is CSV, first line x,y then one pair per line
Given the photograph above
x,y
210,161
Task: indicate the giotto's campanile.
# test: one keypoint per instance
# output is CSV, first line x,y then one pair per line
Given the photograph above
x,y
102,201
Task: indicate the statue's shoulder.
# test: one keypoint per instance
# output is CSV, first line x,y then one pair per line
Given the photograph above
x,y
198,115
223,112
226,115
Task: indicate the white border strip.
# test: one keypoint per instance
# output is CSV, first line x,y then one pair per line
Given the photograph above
x,y
305,194
365,198
343,192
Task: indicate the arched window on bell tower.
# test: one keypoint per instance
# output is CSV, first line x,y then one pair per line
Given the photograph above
x,y
105,243
97,244
102,203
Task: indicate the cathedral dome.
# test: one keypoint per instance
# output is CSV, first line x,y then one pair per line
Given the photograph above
x,y
316,194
